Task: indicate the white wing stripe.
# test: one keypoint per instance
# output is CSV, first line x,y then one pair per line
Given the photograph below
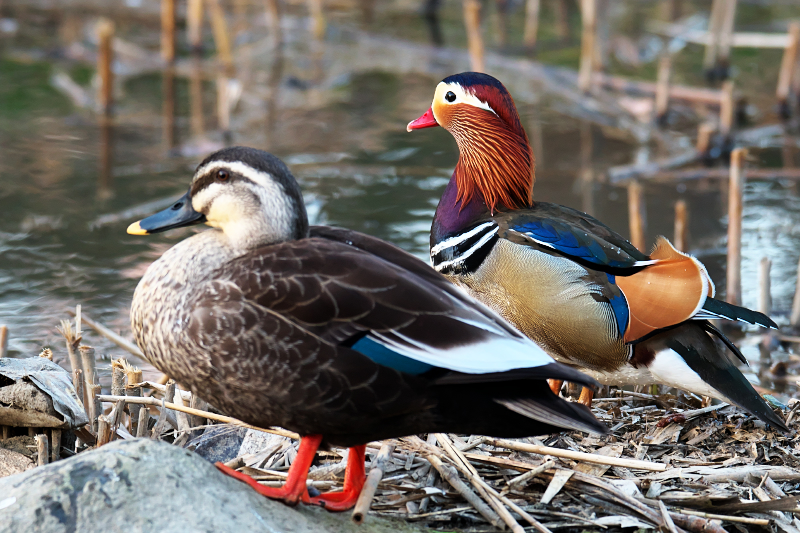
x,y
468,253
458,239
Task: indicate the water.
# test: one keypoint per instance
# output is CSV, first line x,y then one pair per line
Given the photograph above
x,y
69,185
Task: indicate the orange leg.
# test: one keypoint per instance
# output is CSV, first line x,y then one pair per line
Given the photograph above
x,y
586,397
354,477
295,487
555,385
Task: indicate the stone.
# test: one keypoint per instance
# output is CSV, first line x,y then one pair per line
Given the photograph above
x,y
12,462
36,392
143,486
220,442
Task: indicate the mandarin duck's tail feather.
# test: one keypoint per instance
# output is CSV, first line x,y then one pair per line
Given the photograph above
x,y
708,367
713,309
709,327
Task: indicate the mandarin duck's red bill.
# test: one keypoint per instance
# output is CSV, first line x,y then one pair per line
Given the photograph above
x,y
425,121
565,279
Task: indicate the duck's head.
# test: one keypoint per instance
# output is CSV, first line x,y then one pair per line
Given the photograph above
x,y
249,195
495,156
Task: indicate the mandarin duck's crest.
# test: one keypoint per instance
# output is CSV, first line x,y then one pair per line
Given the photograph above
x,y
495,161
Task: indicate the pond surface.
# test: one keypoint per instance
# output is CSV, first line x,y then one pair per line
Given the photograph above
x,y
70,185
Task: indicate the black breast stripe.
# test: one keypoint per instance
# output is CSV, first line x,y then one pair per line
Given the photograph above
x,y
464,253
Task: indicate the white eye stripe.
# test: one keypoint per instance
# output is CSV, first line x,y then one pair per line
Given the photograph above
x,y
462,96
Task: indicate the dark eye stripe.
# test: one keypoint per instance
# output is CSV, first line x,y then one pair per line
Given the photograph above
x,y
211,177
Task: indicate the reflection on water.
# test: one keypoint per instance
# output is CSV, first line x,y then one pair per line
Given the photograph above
x,y
72,183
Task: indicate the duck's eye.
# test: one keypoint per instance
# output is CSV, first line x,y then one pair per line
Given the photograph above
x,y
223,175
450,96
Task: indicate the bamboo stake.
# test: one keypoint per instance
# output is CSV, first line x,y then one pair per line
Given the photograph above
x,y
168,31
371,485
223,105
103,430
6,432
43,449
764,286
788,67
3,341
735,193
168,108
162,415
197,412
134,376
56,447
80,390
636,214
201,405
662,88
727,110
794,319
117,377
472,21
105,58
588,38
194,25
575,456
681,226
317,13
531,23
219,27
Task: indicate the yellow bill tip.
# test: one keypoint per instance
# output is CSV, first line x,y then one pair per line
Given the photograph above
x,y
136,229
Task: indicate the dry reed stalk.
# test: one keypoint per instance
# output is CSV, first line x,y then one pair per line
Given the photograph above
x,y
103,431
6,432
576,456
500,23
727,110
90,378
727,518
735,197
194,25
196,412
133,376
588,42
3,341
317,12
108,334
636,214
450,475
105,59
80,392
662,87
56,445
472,21
274,19
531,23
764,286
726,35
162,415
371,485
704,133
141,424
168,108
73,340
219,28
118,377
714,28
794,318
788,67
198,404
520,481
42,449
168,31
223,104
563,29
681,226
184,423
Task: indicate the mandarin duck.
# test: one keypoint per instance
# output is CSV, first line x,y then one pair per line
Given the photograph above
x,y
565,279
331,333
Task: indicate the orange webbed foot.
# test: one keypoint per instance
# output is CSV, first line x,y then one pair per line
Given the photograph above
x,y
354,478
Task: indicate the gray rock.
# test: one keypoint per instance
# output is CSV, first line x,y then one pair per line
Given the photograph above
x,y
144,486
219,442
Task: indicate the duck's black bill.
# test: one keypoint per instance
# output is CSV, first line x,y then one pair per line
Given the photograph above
x,y
178,215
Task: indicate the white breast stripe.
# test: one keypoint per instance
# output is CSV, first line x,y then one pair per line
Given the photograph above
x,y
469,252
458,239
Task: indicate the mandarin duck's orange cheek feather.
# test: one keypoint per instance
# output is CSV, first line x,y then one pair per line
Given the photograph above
x,y
565,279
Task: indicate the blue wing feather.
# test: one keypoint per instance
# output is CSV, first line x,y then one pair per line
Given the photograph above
x,y
387,357
619,305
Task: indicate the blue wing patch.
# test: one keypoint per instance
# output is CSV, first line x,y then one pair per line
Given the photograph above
x,y
567,243
619,305
386,357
